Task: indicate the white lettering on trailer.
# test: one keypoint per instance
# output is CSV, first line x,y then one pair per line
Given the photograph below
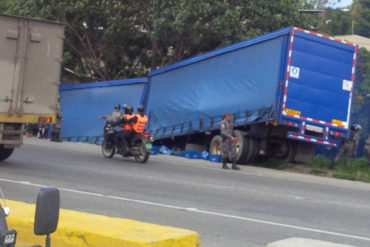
x,y
294,72
347,85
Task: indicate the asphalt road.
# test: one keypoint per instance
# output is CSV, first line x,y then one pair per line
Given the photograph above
x,y
250,207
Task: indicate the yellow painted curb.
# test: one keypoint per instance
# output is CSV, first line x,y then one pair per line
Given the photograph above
x,y
79,229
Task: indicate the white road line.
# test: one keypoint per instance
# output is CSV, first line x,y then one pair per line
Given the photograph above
x,y
195,210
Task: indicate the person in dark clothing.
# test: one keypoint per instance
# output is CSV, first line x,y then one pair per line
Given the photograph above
x,y
349,146
123,135
114,115
367,150
228,147
55,134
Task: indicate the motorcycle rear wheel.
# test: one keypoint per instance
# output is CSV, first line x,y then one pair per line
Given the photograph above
x,y
108,149
144,153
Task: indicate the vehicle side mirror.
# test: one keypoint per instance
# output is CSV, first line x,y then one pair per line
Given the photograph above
x,y
47,212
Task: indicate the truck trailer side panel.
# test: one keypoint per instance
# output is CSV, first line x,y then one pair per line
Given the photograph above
x,y
83,104
193,95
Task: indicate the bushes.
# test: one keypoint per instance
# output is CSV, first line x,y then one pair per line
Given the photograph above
x,y
358,170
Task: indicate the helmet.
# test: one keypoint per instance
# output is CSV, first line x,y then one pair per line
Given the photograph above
x,y
117,107
128,108
140,108
356,127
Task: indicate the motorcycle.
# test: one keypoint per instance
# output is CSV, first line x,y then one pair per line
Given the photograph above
x,y
139,145
46,217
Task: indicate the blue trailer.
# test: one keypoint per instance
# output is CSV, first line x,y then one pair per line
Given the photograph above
x,y
287,91
83,104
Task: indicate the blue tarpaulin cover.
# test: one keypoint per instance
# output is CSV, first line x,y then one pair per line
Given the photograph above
x,y
194,94
82,104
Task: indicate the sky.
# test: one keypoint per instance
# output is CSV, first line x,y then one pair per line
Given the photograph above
x,y
342,4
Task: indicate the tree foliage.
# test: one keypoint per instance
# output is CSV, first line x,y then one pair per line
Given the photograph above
x,y
361,16
111,39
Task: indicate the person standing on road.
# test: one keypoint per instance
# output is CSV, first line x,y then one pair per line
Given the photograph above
x,y
349,146
228,141
367,149
55,134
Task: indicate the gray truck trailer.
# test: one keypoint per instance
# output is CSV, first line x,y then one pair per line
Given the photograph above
x,y
30,66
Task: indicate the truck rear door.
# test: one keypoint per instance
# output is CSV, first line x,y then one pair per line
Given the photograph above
x,y
8,46
318,87
30,65
41,76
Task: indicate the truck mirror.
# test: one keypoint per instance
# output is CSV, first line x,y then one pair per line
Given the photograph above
x,y
47,211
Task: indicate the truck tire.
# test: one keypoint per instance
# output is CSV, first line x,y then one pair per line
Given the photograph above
x,y
5,152
246,147
215,145
291,156
284,149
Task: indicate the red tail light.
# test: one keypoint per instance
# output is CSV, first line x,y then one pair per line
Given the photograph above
x,y
46,120
146,135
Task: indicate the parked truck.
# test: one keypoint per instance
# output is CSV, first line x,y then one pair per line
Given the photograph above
x,y
30,62
287,91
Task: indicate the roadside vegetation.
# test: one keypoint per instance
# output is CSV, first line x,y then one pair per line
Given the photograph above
x,y
358,170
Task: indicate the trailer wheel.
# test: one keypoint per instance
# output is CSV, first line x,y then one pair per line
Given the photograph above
x,y
293,146
215,145
5,152
284,150
246,148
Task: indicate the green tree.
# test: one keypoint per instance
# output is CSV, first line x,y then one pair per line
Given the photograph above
x,y
361,17
361,111
111,39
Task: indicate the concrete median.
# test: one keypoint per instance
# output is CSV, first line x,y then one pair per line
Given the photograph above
x,y
84,229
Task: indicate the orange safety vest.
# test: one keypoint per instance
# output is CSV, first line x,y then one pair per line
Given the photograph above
x,y
140,124
128,126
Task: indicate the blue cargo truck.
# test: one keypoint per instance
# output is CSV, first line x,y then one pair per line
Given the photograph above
x,y
287,91
83,104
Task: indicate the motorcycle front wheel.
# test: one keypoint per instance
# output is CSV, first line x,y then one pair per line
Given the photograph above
x,y
108,149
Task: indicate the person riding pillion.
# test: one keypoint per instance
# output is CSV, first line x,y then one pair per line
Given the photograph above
x,y
127,120
142,120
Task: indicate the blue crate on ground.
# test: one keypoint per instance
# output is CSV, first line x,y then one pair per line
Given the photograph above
x,y
205,155
154,150
215,158
165,150
192,154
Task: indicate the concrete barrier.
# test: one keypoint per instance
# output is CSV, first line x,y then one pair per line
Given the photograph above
x,y
79,229
305,242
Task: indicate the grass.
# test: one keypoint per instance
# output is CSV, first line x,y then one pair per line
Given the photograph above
x,y
358,170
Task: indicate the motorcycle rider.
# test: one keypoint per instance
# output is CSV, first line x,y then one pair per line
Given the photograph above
x,y
114,115
127,120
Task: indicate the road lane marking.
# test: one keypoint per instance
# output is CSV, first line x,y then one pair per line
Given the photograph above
x,y
195,210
